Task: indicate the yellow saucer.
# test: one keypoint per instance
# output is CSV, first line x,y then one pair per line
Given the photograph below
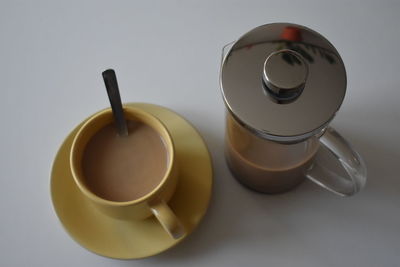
x,y
109,237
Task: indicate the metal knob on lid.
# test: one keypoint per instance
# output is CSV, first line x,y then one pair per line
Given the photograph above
x,y
284,75
282,81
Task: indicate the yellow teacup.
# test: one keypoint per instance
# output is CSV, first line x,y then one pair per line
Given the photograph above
x,y
154,202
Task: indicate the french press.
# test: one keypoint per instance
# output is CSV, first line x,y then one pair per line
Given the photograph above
x,y
282,84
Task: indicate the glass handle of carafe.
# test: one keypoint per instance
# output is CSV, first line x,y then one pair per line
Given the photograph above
x,y
353,176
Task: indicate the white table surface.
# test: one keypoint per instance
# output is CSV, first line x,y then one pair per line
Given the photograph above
x,y
168,52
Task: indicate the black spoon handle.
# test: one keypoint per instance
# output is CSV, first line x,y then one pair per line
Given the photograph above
x,y
110,80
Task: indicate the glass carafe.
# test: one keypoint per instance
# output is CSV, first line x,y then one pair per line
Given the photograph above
x,y
282,84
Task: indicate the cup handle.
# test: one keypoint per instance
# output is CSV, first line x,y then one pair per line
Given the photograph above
x,y
348,158
168,219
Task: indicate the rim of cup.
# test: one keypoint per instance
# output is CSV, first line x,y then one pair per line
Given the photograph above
x,y
81,136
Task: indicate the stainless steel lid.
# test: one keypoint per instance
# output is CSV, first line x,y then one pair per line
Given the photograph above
x,y
283,81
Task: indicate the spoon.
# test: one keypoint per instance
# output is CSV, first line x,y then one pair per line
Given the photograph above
x,y
110,80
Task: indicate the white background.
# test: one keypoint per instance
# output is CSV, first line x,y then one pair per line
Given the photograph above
x,y
168,52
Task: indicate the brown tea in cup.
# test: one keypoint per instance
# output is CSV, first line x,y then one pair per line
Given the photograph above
x,y
124,168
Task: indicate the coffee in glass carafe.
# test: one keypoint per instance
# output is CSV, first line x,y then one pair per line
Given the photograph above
x,y
282,84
